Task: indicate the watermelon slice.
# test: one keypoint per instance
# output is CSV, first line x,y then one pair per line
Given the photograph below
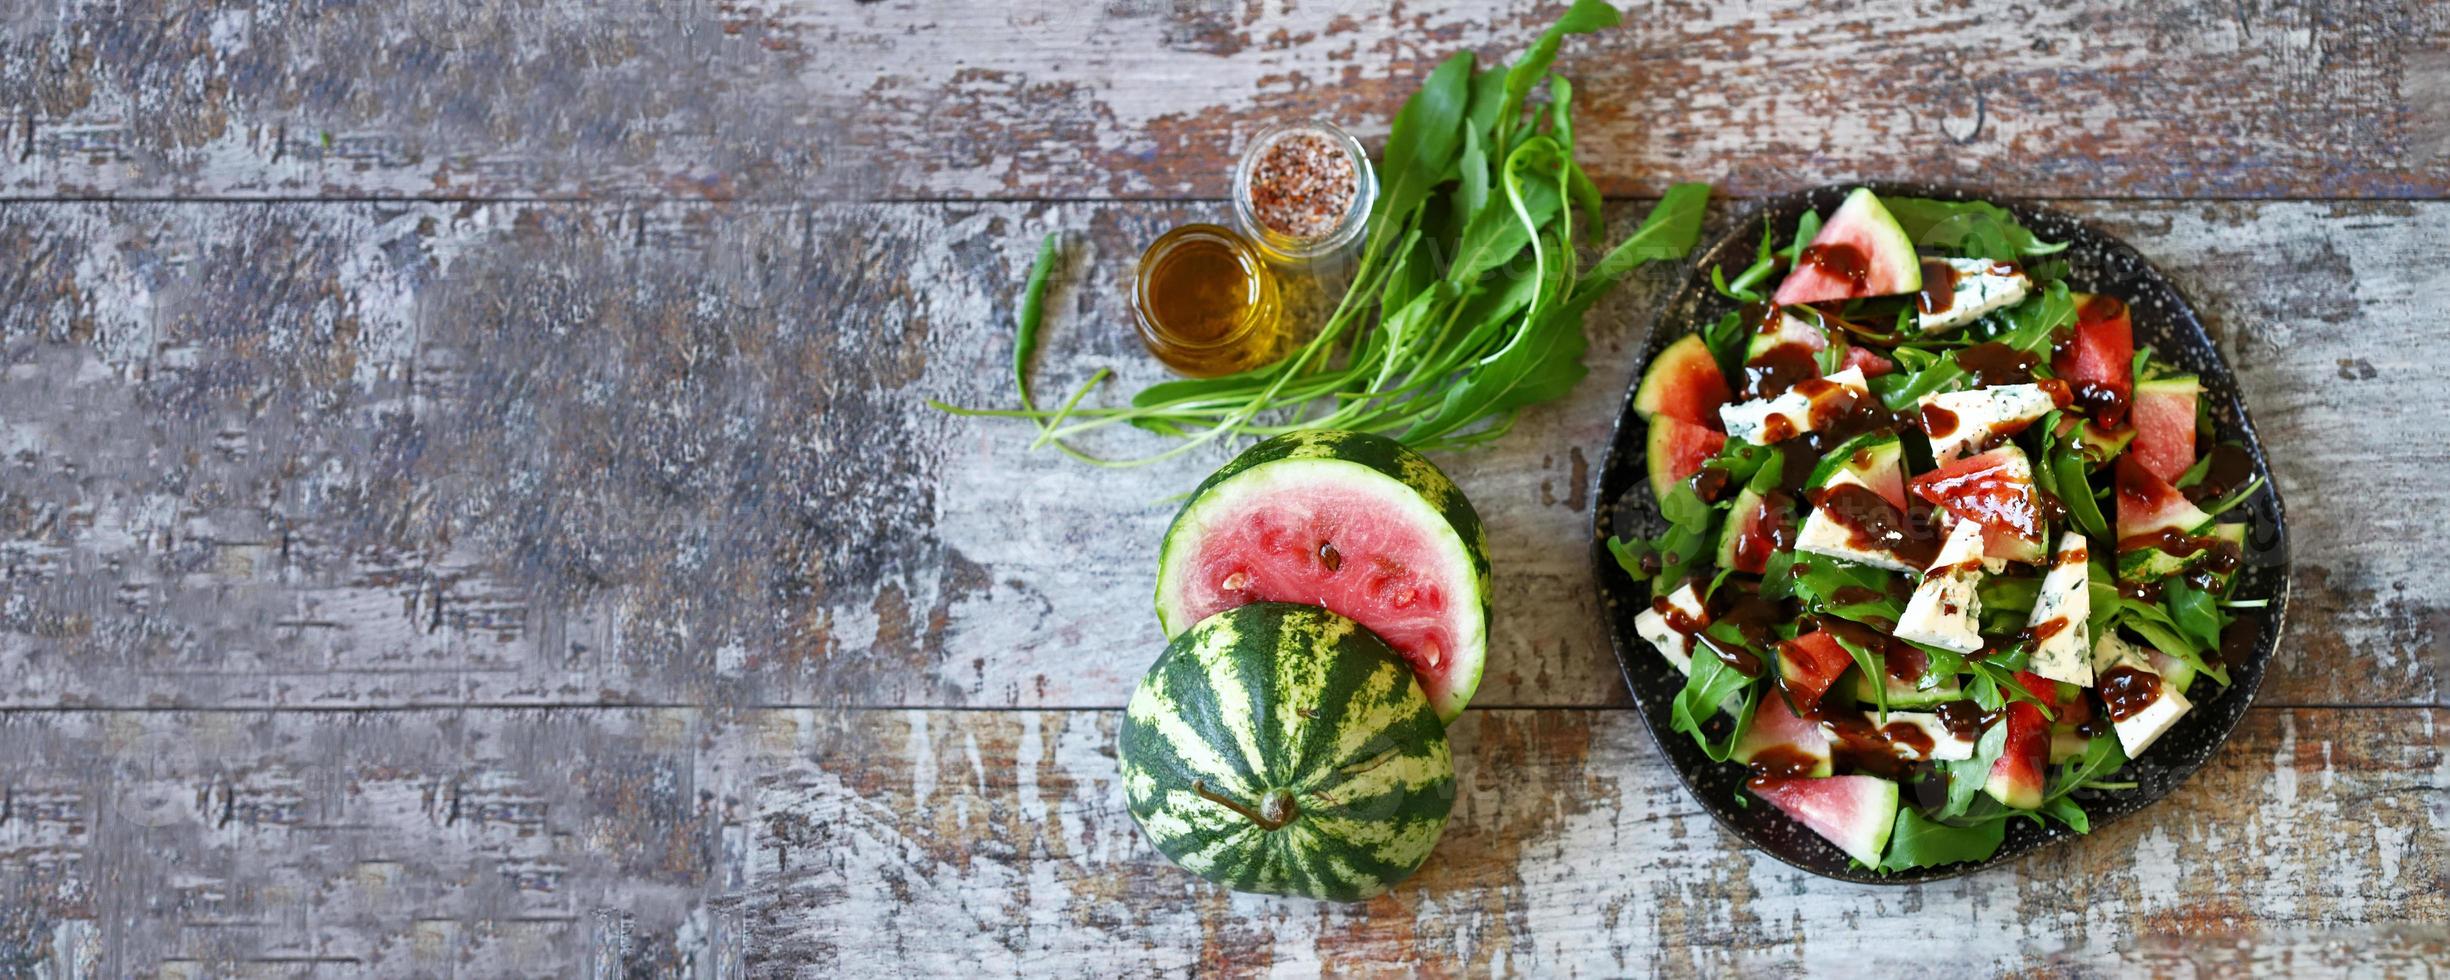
x,y
1862,251
1808,665
1994,489
1782,744
1856,813
1349,521
1757,526
2017,778
2148,505
1683,383
1677,449
2165,425
2099,364
1872,460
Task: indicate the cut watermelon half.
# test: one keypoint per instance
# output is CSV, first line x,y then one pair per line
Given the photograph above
x,y
1808,665
2099,365
2165,425
1862,251
1352,522
1783,744
1683,383
2148,505
1677,449
1856,813
1994,489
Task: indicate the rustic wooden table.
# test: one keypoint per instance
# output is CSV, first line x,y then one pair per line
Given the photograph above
x,y
466,506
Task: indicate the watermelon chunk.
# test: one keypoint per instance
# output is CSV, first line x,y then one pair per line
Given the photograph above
x,y
1783,744
1994,489
2148,505
2017,778
1683,383
1868,361
1808,665
1856,813
2165,425
2099,364
1676,450
1861,251
1349,521
1758,526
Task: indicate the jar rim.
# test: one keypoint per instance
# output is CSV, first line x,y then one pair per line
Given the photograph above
x,y
1281,247
1254,291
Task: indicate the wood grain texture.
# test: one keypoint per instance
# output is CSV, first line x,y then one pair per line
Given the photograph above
x,y
429,454
998,842
418,843
911,99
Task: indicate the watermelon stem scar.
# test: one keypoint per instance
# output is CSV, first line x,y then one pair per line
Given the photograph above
x,y
1276,809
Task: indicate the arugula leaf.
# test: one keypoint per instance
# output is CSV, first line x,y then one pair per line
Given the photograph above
x,y
1423,140
1807,228
2076,493
1920,842
2235,497
2027,327
1972,229
1763,263
1706,692
1873,668
1825,577
1967,776
2193,612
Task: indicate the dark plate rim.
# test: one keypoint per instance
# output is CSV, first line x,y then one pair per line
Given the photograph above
x,y
1611,580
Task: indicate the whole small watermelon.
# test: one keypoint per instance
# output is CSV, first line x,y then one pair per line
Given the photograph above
x,y
1285,749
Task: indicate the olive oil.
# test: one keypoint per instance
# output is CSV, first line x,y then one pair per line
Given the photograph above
x,y
1206,304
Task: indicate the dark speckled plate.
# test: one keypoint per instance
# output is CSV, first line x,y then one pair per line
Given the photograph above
x,y
2163,319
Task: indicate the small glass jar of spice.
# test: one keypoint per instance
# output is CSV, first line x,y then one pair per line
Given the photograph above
x,y
1303,190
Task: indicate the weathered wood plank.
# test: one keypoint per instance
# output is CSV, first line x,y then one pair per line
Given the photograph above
x,y
424,454
422,843
1049,99
998,842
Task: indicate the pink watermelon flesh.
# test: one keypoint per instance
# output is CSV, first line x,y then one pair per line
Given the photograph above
x,y
1870,361
1808,664
2016,779
1855,813
1860,252
2164,429
1326,542
2148,505
1683,383
1677,450
1784,742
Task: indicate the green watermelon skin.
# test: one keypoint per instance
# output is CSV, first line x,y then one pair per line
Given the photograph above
x,y
1298,703
1455,677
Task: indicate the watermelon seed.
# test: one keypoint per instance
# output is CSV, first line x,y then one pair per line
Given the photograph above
x,y
1329,557
1431,653
1237,581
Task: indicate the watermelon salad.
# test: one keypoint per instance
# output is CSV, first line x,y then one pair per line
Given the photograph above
x,y
1945,546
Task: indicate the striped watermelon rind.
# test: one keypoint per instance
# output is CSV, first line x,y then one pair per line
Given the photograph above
x,y
1283,749
1414,490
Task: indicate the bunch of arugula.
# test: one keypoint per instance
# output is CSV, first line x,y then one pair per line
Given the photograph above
x,y
1466,300
2184,621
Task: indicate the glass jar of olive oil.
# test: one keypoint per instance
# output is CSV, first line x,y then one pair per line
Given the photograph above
x,y
1206,303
